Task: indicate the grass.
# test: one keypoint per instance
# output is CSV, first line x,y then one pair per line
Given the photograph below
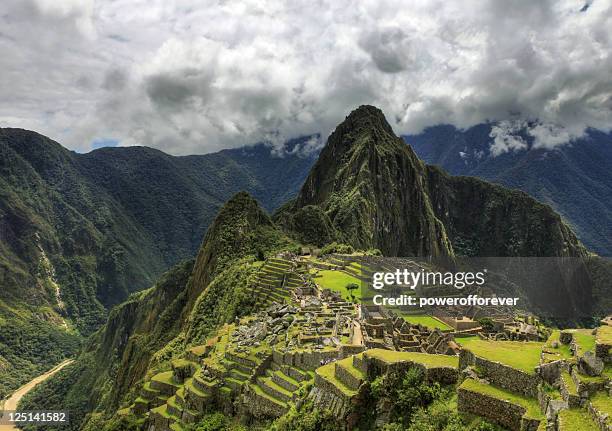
x,y
602,402
327,372
162,410
165,377
286,378
427,321
347,364
585,340
575,420
189,387
198,350
337,282
562,351
532,410
568,382
261,393
428,360
604,335
520,355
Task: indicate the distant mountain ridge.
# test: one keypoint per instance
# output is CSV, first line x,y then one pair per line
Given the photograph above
x,y
575,179
80,232
372,191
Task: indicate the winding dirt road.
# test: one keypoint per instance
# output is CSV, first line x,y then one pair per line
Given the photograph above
x,y
11,403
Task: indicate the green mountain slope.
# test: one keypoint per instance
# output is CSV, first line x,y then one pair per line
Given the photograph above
x,y
370,190
79,232
189,302
574,179
346,197
363,156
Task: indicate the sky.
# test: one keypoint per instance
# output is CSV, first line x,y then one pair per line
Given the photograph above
x,y
192,77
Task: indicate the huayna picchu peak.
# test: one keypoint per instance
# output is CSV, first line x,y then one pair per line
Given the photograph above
x,y
370,190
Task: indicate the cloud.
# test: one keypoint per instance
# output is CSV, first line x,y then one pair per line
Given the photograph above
x,y
506,137
194,77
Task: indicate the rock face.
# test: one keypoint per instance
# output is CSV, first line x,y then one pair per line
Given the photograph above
x,y
374,192
371,186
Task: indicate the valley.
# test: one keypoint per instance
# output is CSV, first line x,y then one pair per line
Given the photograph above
x,y
271,327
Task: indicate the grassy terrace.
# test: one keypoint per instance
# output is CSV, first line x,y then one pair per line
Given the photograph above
x,y
165,377
604,335
162,410
575,420
261,393
602,402
569,383
532,410
562,351
429,360
347,364
585,340
523,356
327,372
337,281
427,321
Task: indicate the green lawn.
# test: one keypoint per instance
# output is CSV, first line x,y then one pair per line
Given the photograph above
x,y
585,340
347,364
427,321
530,404
524,356
337,281
604,335
575,420
569,383
165,377
429,360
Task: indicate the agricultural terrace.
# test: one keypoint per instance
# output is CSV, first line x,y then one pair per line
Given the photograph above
x,y
604,335
554,349
428,360
585,340
521,355
427,321
532,409
575,420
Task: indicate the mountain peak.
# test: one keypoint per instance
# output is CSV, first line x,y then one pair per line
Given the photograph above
x,y
362,165
370,115
365,125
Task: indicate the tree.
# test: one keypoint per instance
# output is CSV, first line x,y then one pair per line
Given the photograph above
x,y
350,288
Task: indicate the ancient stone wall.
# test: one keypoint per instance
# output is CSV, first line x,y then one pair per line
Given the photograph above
x,y
347,377
502,375
501,412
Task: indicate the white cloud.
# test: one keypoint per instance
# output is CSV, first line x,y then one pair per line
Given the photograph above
x,y
506,137
197,76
